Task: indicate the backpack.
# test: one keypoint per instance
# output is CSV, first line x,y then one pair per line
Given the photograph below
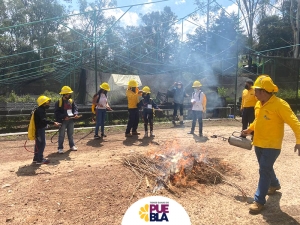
x,y
93,108
31,127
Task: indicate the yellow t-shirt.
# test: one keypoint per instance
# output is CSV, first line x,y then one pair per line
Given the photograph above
x,y
248,98
133,98
268,125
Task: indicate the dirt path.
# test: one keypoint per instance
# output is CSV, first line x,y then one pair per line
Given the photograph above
x,y
91,186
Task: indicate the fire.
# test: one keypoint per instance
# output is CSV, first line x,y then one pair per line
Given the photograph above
x,y
178,162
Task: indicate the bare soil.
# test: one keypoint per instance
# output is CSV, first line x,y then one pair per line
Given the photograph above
x,y
91,186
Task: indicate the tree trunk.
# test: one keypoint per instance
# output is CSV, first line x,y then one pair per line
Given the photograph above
x,y
295,26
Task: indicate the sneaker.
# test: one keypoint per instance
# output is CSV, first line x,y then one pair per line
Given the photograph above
x,y
74,148
255,207
272,190
60,151
103,135
128,135
151,134
136,133
44,161
174,123
96,136
200,135
146,135
191,132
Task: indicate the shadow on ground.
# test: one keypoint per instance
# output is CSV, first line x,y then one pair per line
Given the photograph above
x,y
273,214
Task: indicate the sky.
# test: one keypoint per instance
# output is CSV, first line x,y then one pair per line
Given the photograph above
x,y
181,8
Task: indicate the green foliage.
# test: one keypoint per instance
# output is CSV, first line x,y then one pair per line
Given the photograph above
x,y
223,92
287,94
54,96
13,97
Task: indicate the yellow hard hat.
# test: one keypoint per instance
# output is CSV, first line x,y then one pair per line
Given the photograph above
x,y
265,82
146,89
197,84
42,99
105,86
65,90
133,83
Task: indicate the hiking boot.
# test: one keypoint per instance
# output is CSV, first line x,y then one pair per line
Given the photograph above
x,y
136,133
96,136
74,148
255,207
44,161
151,134
272,190
146,134
103,135
128,135
200,135
173,121
191,132
60,151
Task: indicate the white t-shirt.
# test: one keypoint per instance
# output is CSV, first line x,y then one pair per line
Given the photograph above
x,y
102,101
198,98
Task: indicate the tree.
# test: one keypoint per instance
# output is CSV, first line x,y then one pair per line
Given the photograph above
x,y
273,33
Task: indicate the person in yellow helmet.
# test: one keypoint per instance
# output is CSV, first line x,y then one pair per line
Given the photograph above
x,y
199,106
248,102
147,105
132,94
101,103
41,122
65,111
271,113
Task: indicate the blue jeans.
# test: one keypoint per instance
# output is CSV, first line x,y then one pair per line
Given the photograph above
x,y
266,158
100,119
69,125
40,144
197,115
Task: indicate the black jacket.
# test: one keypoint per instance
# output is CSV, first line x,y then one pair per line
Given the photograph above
x,y
61,113
40,118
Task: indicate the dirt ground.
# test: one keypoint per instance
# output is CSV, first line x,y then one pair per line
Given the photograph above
x,y
91,186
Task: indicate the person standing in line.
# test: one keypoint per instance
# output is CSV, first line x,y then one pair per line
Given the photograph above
x,y
65,111
148,105
178,95
100,100
40,123
247,105
271,113
132,94
199,107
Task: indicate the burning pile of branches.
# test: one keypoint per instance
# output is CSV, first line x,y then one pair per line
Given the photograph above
x,y
172,167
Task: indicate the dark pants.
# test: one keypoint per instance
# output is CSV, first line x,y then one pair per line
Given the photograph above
x,y
176,107
197,115
133,120
247,117
40,144
148,118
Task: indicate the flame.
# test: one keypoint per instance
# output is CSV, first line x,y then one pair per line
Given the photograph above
x,y
176,161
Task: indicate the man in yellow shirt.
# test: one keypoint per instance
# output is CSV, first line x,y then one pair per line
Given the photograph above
x,y
248,102
132,94
271,113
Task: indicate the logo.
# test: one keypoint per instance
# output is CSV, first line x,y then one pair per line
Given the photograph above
x,y
156,209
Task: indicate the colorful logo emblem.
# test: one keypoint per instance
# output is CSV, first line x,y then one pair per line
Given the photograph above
x,y
156,209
